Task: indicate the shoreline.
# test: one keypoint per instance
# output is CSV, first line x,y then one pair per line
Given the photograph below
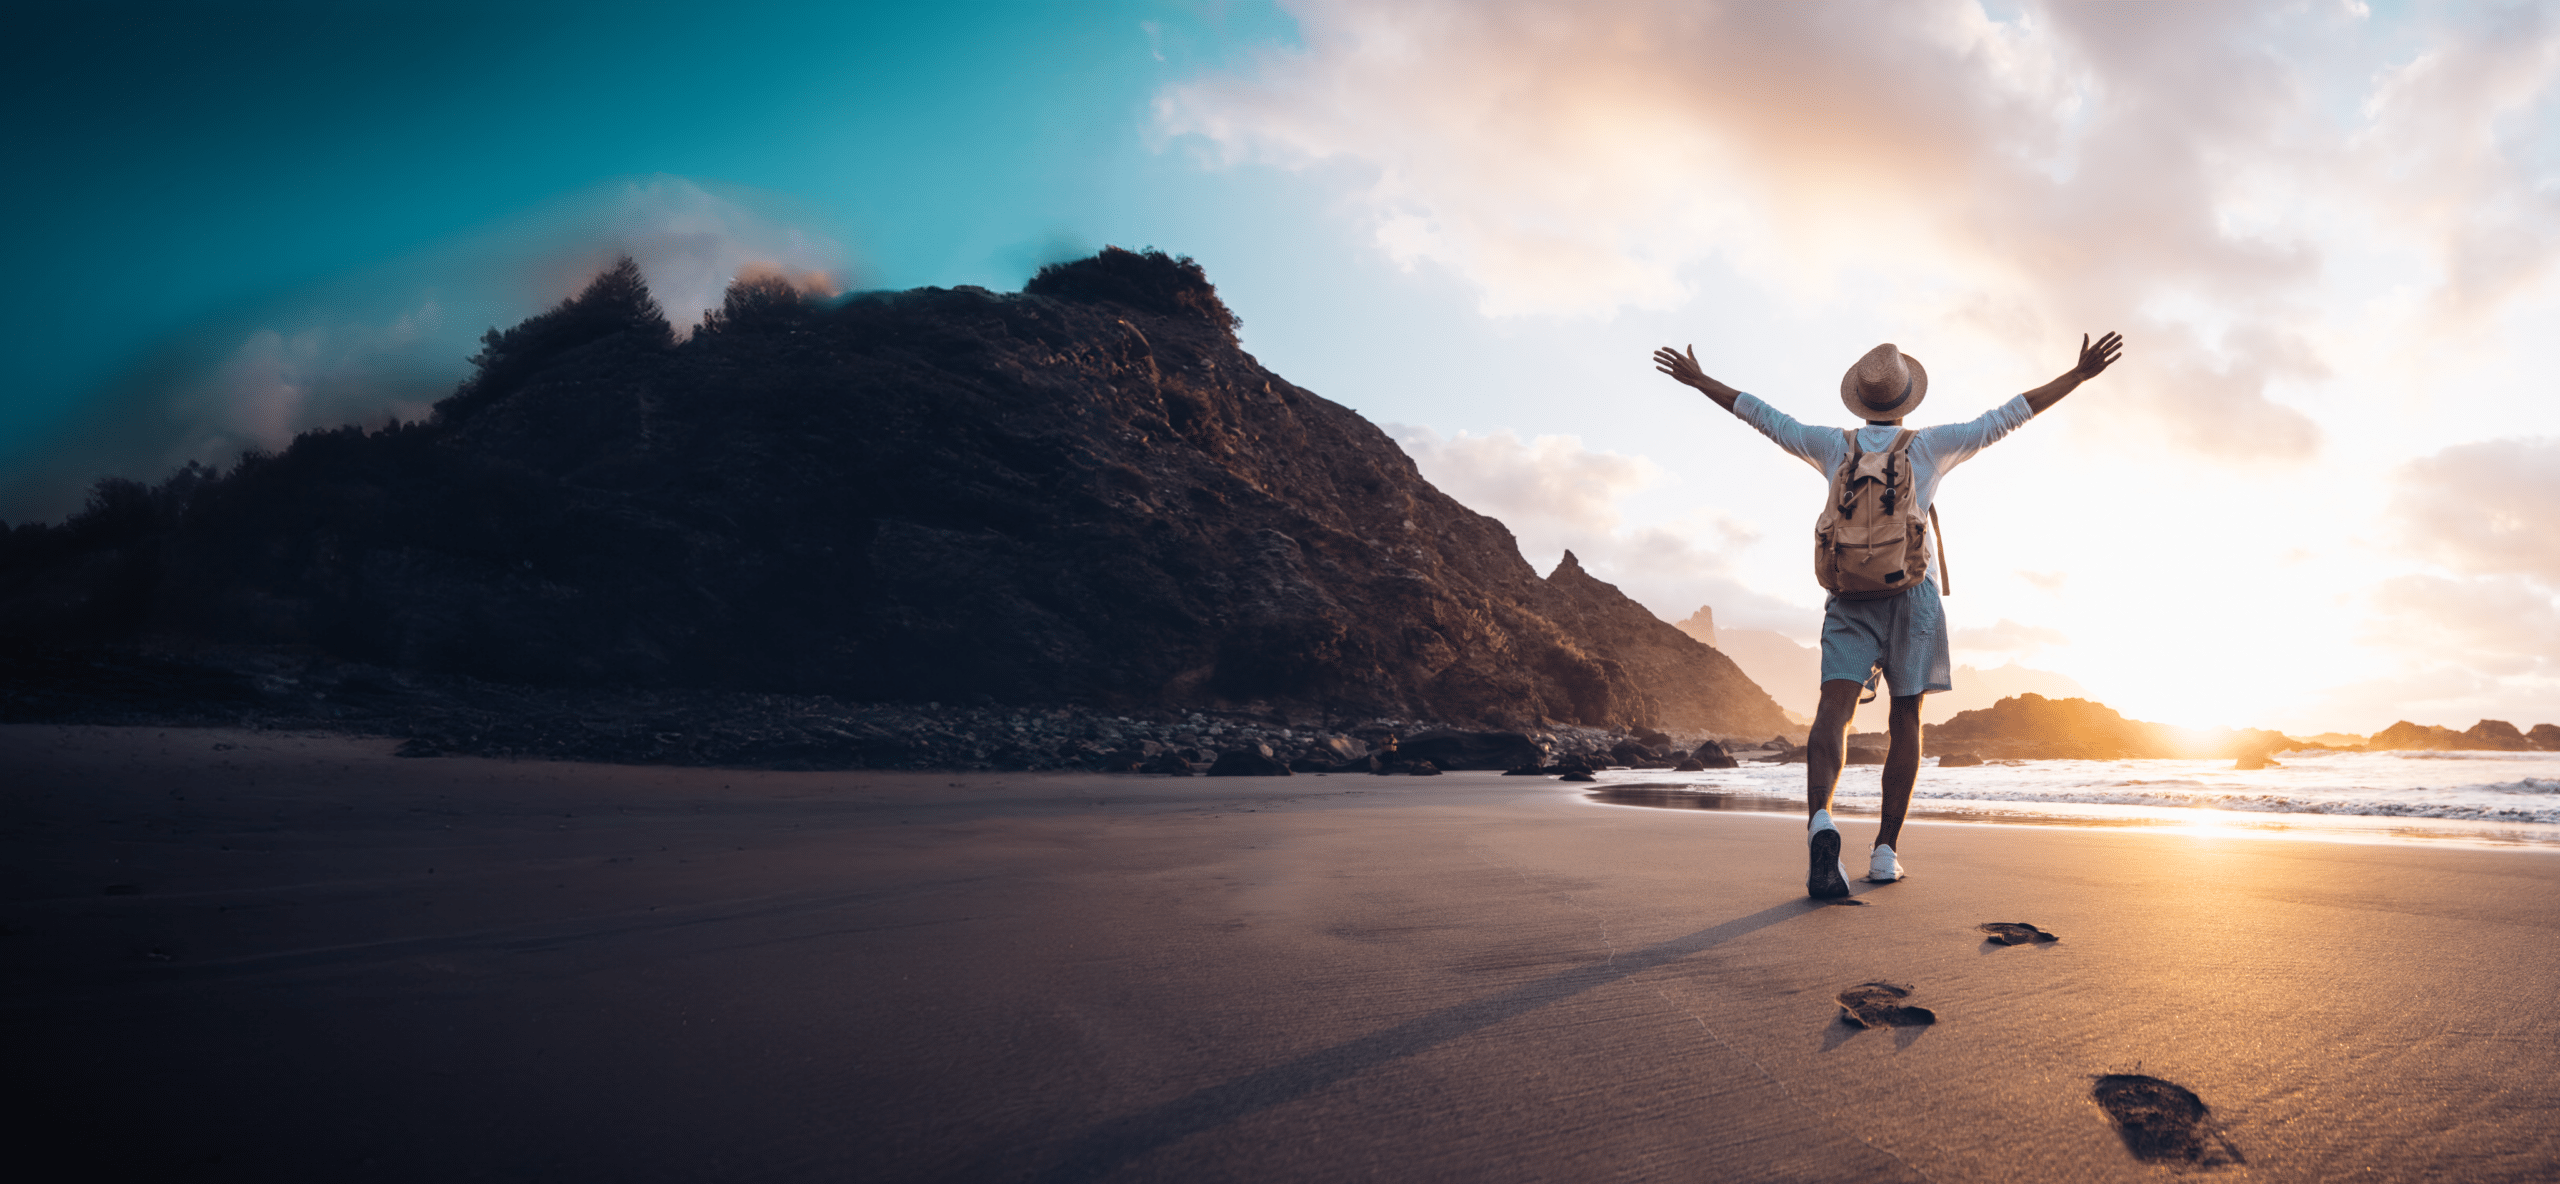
x,y
2382,829
302,957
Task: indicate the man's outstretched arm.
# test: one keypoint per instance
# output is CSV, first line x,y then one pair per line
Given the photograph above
x,y
2094,360
1683,367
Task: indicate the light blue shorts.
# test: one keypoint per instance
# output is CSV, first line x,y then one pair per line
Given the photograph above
x,y
1904,638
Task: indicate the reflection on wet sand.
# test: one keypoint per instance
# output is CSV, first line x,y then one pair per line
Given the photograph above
x,y
1683,798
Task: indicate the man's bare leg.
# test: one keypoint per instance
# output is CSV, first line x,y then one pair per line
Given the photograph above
x,y
1901,768
1825,877
1825,750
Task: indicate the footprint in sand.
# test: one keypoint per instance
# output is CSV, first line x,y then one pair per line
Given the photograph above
x,y
1879,1005
2162,1121
2014,933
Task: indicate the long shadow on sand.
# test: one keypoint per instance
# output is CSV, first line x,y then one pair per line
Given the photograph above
x,y
1113,1144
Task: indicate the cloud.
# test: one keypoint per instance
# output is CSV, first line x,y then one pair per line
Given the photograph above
x,y
2488,514
1558,495
2478,635
2007,637
2440,152
2486,508
1550,488
2050,581
391,339
2187,173
2498,625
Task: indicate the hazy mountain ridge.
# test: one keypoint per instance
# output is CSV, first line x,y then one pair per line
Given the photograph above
x,y
2031,726
1084,493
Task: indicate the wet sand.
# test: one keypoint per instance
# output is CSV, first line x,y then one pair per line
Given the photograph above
x,y
300,957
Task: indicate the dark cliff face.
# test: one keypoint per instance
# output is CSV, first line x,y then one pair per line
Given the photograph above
x,y
1692,686
1083,493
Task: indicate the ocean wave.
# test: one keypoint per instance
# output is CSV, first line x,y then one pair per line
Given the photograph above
x,y
2278,804
2473,754
2493,788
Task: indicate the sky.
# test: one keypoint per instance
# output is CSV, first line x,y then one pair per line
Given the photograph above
x,y
2322,491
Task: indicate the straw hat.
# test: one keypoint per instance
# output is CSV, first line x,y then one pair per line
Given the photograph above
x,y
1885,384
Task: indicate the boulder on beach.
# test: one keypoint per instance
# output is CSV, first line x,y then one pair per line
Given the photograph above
x,y
1452,749
1711,755
1958,760
1167,763
1256,761
1633,754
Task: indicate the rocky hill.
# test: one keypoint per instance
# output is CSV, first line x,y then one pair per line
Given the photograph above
x,y
2033,727
1086,493
2495,735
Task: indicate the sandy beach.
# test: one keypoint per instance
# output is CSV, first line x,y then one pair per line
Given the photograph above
x,y
240,955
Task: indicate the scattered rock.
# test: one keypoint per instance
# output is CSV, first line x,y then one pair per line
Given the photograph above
x,y
1712,755
1453,750
1256,761
1345,749
1632,754
1167,763
1958,760
430,715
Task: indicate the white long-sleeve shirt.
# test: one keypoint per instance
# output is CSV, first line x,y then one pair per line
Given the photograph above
x,y
1933,452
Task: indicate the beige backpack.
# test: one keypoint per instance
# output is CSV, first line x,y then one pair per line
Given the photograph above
x,y
1868,543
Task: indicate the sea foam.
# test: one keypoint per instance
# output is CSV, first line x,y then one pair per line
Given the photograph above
x,y
2503,790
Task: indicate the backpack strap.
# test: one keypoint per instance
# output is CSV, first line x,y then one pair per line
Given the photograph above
x,y
1902,451
1845,483
1946,585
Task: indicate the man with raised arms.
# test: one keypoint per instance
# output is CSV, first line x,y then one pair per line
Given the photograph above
x,y
1892,625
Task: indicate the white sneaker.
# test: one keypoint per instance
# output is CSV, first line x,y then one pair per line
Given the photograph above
x,y
1883,867
1824,878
